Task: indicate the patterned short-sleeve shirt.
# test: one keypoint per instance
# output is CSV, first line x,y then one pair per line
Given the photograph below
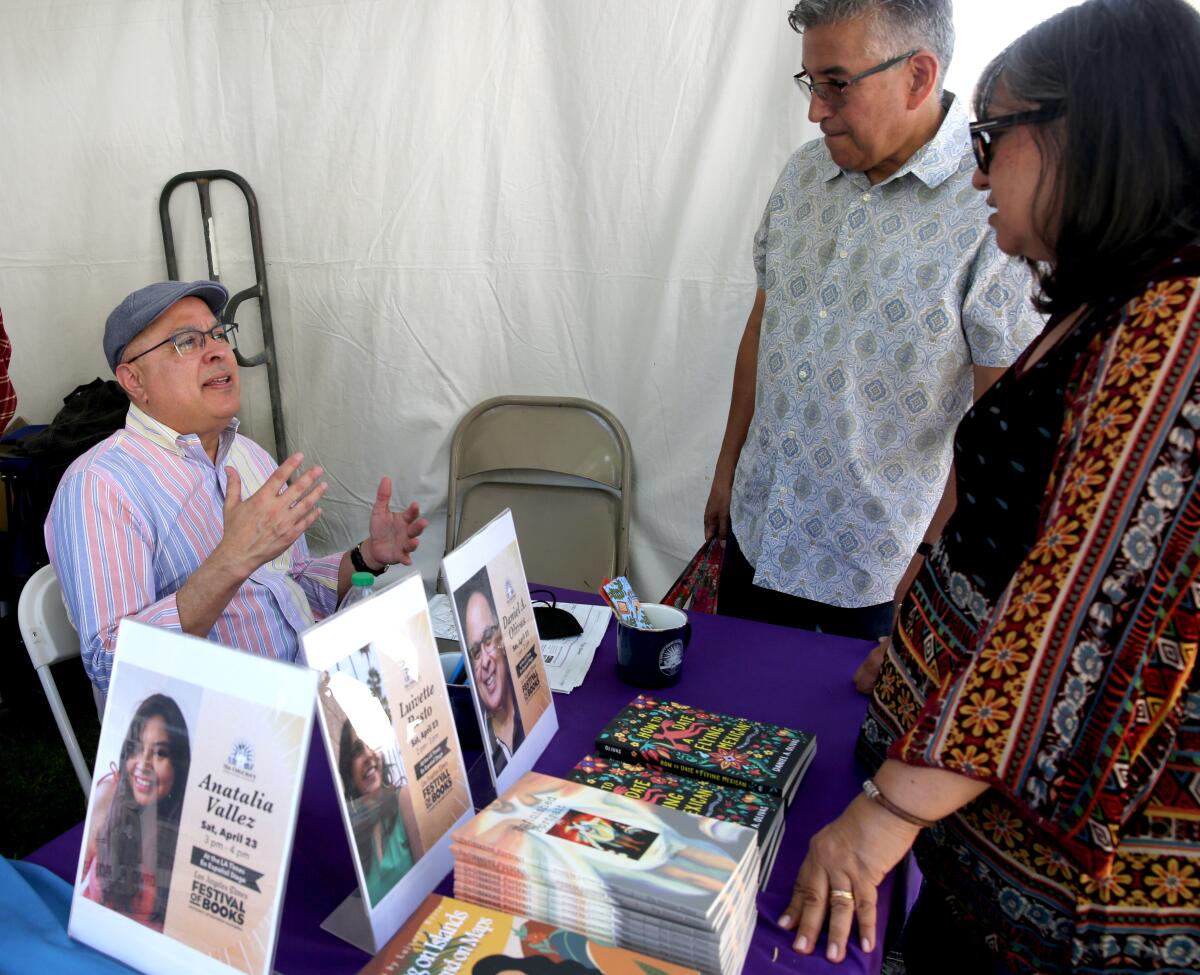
x,y
880,299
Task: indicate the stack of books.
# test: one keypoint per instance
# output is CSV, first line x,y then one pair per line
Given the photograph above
x,y
648,783
716,765
649,878
446,935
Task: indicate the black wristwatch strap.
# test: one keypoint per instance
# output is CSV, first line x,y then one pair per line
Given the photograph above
x,y
360,564
924,549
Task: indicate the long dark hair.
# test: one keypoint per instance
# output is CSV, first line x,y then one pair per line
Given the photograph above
x,y
530,964
119,845
363,815
1124,76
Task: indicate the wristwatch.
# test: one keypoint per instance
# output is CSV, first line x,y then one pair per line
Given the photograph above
x,y
360,564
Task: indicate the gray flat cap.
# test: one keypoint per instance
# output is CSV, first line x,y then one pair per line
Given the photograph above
x,y
131,317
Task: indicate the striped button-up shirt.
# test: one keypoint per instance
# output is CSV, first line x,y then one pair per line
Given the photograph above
x,y
137,514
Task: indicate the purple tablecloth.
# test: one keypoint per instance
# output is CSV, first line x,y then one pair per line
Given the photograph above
x,y
764,672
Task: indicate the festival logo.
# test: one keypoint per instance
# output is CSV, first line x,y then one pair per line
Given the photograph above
x,y
670,658
241,759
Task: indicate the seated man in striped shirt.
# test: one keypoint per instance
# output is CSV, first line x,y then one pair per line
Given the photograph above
x,y
179,521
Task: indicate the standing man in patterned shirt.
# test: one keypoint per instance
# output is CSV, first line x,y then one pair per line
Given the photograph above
x,y
883,305
179,521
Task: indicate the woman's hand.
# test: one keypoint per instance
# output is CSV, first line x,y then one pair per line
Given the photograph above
x,y
840,877
868,671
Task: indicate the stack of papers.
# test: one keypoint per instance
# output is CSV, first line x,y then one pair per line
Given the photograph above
x,y
567,661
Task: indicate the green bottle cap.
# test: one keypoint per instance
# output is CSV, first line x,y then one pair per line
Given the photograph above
x,y
364,579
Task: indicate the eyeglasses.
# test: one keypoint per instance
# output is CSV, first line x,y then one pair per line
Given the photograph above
x,y
834,92
489,640
981,132
191,340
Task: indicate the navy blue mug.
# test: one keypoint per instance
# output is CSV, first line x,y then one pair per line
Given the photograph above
x,y
653,657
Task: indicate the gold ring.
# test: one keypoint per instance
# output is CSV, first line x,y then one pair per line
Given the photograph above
x,y
845,895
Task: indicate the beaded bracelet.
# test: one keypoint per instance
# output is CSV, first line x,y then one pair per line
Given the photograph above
x,y
873,793
360,564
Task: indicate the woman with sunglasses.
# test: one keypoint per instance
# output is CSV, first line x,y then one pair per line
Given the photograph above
x,y
1036,724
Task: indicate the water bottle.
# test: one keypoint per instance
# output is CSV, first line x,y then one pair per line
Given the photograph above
x,y
362,586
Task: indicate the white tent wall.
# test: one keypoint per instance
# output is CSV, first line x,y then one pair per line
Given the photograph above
x,y
460,198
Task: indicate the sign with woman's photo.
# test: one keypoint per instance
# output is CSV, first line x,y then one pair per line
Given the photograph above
x,y
394,753
193,806
499,637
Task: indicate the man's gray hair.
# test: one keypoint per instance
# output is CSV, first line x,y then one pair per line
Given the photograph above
x,y
898,24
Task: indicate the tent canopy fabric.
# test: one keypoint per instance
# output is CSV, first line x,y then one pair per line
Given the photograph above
x,y
459,199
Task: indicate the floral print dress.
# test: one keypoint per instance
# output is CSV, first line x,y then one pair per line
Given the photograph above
x,y
1049,647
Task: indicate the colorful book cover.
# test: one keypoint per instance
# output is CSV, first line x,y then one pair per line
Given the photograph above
x,y
451,936
625,850
670,941
499,638
582,911
393,750
661,787
192,812
721,748
650,783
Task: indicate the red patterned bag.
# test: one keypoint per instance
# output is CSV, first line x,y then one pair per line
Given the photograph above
x,y
696,587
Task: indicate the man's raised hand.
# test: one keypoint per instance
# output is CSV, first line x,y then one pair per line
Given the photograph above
x,y
264,525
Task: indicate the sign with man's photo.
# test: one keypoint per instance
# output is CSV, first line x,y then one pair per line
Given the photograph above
x,y
499,637
393,752
193,806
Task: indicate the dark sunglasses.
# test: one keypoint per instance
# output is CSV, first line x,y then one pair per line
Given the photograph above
x,y
981,132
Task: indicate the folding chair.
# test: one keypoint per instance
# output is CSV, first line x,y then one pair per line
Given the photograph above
x,y
50,638
564,467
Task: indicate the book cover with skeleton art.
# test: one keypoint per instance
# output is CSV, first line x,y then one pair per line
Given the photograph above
x,y
661,787
649,783
725,749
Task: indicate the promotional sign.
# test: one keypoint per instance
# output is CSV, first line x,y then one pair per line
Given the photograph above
x,y
394,754
192,813
499,636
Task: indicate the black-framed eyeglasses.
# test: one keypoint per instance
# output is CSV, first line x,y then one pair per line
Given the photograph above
x,y
981,132
834,92
489,640
189,341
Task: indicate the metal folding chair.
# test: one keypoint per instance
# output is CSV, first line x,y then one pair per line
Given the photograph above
x,y
564,467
